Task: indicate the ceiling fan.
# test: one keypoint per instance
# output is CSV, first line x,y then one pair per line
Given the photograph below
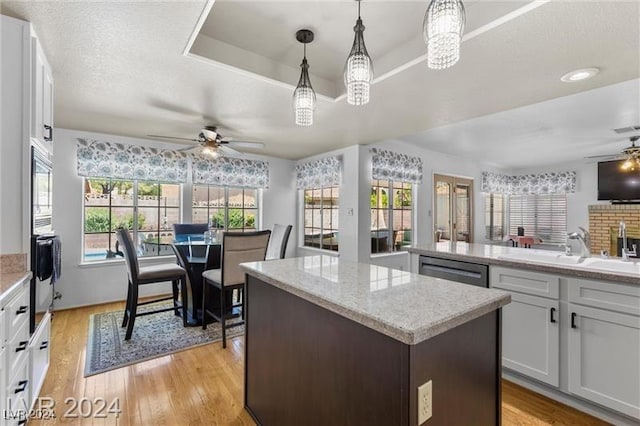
x,y
630,154
212,144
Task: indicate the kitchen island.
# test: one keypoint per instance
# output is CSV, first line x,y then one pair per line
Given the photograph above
x,y
335,342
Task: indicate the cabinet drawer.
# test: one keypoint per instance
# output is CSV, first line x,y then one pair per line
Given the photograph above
x,y
17,312
39,355
616,297
528,282
17,349
17,394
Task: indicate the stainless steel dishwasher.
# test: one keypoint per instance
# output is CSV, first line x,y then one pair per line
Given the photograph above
x,y
455,270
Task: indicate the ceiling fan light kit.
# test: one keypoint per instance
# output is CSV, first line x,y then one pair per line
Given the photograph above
x,y
304,98
443,27
358,71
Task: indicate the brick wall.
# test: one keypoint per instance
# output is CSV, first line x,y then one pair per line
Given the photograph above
x,y
603,225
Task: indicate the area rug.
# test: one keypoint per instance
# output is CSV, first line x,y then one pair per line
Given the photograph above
x,y
153,336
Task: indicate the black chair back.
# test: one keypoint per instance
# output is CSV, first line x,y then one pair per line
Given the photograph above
x,y
130,255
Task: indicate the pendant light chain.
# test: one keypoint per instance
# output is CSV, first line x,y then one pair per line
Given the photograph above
x,y
304,98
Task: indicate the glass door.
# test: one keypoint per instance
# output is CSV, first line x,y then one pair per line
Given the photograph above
x,y
453,208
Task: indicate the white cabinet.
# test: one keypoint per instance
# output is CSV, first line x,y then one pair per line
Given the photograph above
x,y
604,344
41,97
14,349
604,358
531,338
530,326
39,355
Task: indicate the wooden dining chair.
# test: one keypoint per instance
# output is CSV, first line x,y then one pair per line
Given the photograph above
x,y
146,275
277,248
237,247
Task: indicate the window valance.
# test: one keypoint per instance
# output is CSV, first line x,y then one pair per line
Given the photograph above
x,y
118,161
227,171
541,183
395,166
320,173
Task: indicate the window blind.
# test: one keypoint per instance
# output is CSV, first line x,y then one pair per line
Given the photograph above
x,y
542,216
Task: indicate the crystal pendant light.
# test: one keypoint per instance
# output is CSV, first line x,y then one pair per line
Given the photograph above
x,y
443,27
358,71
304,98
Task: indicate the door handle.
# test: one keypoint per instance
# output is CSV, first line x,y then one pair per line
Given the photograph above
x,y
44,345
22,310
22,346
22,385
552,315
49,129
573,320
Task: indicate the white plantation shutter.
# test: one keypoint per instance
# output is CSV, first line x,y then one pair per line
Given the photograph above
x,y
542,216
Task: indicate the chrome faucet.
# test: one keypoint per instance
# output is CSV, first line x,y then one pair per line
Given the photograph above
x,y
585,241
622,233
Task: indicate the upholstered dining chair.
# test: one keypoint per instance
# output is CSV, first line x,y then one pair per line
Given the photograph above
x,y
278,242
147,275
237,247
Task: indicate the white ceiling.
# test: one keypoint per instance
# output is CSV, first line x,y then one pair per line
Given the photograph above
x,y
119,68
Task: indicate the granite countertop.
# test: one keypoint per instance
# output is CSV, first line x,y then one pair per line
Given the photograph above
x,y
489,254
408,307
9,280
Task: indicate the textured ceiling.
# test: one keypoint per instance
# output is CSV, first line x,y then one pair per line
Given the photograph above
x,y
119,68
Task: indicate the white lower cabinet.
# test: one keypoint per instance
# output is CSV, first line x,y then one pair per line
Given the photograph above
x,y
604,358
600,336
531,338
39,355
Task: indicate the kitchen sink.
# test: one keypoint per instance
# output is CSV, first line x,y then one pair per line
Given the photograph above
x,y
611,265
552,258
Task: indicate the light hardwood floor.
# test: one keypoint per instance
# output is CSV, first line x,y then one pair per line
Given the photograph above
x,y
203,386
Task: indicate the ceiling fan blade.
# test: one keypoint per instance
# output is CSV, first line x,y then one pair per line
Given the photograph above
x,y
172,137
187,148
603,156
229,152
245,144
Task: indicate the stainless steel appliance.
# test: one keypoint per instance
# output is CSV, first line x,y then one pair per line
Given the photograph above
x,y
455,270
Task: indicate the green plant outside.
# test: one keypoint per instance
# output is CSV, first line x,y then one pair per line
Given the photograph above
x,y
236,219
96,220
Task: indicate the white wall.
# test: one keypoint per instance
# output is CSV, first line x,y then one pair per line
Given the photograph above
x,y
99,283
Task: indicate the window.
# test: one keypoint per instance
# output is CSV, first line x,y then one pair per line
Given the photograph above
x,y
542,216
494,214
148,209
391,216
321,218
228,208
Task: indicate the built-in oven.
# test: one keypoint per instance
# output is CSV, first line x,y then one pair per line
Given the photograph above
x,y
41,191
44,247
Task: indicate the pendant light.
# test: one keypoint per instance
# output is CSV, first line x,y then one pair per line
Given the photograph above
x,y
358,71
443,27
304,98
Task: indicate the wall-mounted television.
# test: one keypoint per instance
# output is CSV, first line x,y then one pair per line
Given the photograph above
x,y
617,185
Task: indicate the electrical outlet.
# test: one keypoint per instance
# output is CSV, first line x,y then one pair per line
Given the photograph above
x,y
425,409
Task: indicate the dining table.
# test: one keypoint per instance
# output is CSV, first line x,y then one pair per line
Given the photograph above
x,y
200,255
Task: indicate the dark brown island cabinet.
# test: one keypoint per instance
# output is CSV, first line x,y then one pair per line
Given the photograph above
x,y
330,342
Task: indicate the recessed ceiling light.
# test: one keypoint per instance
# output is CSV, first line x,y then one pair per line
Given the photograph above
x,y
579,75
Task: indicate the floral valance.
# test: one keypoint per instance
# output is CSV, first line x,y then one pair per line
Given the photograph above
x,y
119,161
229,171
542,183
319,174
395,166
